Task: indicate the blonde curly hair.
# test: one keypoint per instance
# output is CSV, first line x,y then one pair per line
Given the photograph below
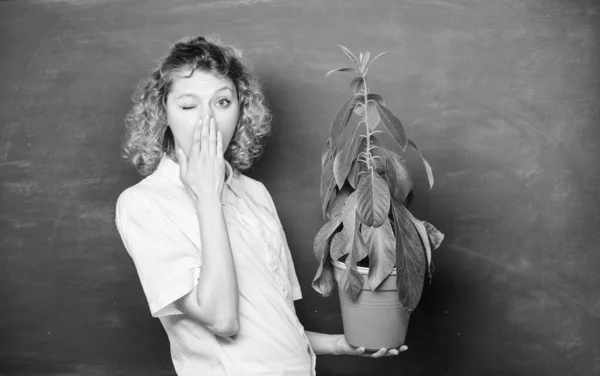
x,y
147,135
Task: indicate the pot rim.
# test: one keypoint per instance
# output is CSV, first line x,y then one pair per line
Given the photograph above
x,y
361,269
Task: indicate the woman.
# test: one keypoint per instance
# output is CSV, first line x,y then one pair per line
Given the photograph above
x,y
205,239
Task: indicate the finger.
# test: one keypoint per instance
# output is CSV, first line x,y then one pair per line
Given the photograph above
x,y
182,159
212,138
380,353
196,139
219,144
360,350
204,135
396,351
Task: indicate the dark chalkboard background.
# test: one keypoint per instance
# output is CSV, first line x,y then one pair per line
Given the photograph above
x,y
502,96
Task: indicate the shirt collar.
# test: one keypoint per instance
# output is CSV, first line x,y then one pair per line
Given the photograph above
x,y
170,170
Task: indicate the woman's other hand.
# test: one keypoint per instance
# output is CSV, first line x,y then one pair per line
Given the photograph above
x,y
342,347
203,171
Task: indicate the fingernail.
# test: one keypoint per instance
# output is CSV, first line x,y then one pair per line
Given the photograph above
x,y
403,348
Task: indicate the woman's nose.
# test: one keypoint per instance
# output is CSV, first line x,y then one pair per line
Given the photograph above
x,y
205,110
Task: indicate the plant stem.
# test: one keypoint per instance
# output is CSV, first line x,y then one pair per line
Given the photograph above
x,y
366,117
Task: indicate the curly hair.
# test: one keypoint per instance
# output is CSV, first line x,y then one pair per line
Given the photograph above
x,y
147,135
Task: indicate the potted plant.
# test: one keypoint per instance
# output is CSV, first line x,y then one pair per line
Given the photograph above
x,y
371,244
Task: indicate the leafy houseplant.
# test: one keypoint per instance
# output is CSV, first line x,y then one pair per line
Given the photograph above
x,y
369,235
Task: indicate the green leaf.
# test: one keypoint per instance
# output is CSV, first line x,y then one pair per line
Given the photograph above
x,y
353,174
423,235
352,242
325,201
357,85
340,70
377,98
326,154
350,239
373,199
365,60
378,164
327,181
425,163
338,245
358,248
397,175
323,237
393,125
323,280
350,54
410,259
336,205
372,116
339,123
435,236
346,155
360,98
351,228
359,109
349,213
381,245
351,281
375,140
366,68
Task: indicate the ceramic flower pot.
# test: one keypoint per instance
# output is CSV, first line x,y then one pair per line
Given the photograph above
x,y
375,319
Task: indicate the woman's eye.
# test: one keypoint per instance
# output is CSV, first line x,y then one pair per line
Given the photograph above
x,y
224,102
187,107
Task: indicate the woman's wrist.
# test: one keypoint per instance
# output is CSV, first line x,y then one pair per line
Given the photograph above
x,y
210,216
209,207
325,344
336,349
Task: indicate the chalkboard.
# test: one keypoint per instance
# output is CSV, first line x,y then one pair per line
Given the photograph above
x,y
501,97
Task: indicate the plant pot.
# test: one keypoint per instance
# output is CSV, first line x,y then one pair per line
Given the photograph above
x,y
376,319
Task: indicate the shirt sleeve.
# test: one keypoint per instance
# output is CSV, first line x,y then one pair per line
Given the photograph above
x,y
286,255
167,262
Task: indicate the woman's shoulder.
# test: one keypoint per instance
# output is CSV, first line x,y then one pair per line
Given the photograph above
x,y
138,195
251,186
258,191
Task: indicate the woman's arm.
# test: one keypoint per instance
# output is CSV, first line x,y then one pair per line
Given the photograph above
x,y
336,344
215,299
322,343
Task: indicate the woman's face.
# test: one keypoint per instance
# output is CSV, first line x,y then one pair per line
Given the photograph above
x,y
191,98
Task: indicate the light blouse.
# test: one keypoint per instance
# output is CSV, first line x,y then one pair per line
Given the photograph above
x,y
158,225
